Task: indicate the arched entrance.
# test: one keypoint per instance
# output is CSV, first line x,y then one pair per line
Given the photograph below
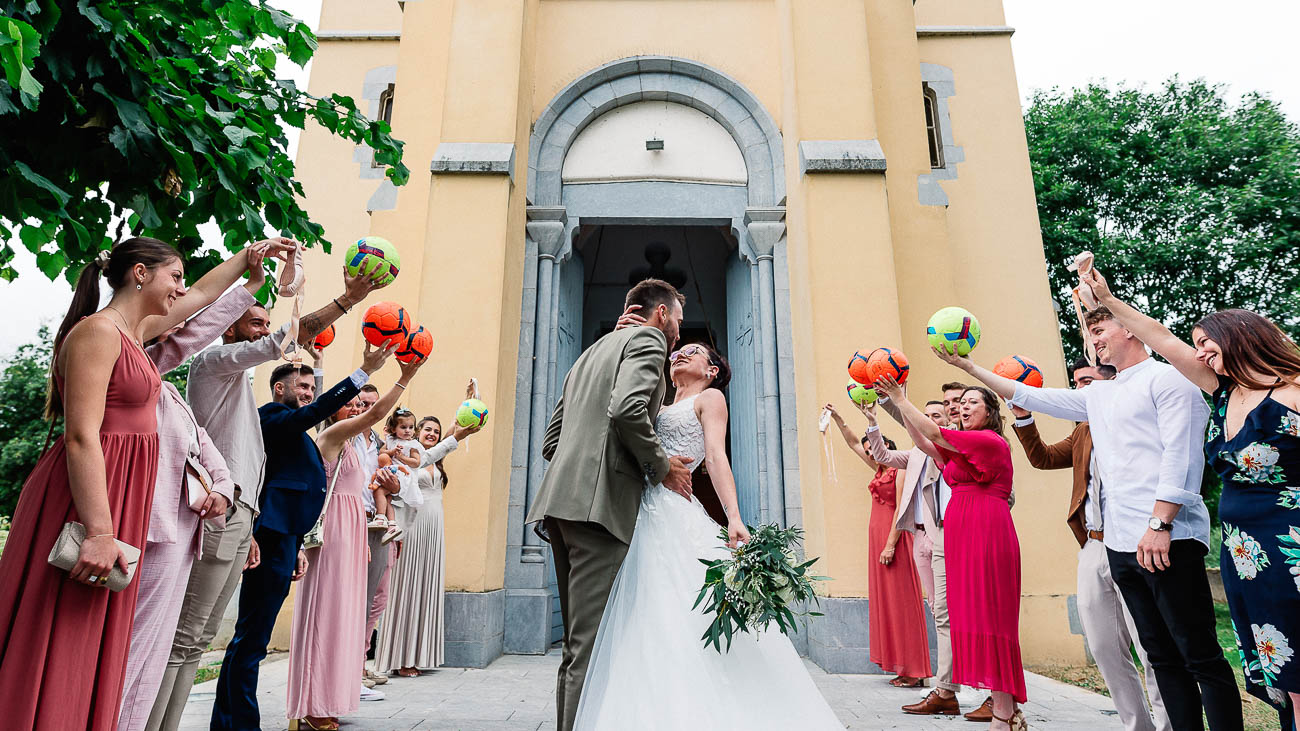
x,y
702,201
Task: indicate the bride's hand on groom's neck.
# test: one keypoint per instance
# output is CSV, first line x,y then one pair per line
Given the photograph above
x,y
629,318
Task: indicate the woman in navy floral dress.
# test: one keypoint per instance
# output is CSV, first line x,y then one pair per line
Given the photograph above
x,y
1252,371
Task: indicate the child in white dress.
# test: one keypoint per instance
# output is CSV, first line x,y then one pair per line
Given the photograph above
x,y
403,455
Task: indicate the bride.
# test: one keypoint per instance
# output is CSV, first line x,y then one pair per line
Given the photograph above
x,y
649,668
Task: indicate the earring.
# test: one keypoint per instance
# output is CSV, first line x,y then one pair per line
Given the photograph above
x,y
138,285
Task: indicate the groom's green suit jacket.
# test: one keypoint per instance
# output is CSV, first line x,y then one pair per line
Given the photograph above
x,y
601,440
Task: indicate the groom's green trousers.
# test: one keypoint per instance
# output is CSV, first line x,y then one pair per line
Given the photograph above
x,y
587,559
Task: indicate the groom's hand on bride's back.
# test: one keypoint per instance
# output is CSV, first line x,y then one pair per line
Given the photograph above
x,y
678,478
630,318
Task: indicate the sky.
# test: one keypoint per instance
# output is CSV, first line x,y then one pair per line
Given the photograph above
x,y
1246,46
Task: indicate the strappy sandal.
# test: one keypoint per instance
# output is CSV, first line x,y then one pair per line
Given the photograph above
x,y
1016,722
302,724
903,681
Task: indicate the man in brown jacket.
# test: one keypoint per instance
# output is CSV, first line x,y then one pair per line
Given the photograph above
x,y
1107,626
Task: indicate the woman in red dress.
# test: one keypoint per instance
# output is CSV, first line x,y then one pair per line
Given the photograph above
x,y
898,641
63,635
982,549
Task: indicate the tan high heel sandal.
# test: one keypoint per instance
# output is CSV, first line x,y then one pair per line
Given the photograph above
x,y
1016,722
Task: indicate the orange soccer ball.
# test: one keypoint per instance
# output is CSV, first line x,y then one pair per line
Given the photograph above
x,y
859,370
324,339
1020,368
384,323
887,362
416,346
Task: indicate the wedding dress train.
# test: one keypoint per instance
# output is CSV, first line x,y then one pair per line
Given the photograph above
x,y
649,668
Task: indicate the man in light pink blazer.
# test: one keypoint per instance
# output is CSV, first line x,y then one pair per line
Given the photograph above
x,y
920,512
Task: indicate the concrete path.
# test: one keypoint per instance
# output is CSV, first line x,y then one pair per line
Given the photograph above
x,y
517,692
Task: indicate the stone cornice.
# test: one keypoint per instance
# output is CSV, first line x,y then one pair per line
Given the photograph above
x,y
939,31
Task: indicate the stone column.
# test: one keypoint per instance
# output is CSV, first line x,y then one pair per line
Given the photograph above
x,y
546,227
766,226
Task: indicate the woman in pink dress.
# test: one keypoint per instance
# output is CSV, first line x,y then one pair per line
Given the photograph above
x,y
898,643
329,611
983,551
63,635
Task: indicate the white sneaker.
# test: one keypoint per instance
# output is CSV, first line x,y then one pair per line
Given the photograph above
x,y
370,694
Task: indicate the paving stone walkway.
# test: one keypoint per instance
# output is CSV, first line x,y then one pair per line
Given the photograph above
x,y
517,692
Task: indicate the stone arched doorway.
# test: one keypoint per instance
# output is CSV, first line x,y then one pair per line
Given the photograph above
x,y
565,213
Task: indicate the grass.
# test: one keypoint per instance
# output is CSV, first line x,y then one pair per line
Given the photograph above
x,y
1259,716
207,672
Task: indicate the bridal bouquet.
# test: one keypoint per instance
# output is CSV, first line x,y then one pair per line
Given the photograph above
x,y
758,585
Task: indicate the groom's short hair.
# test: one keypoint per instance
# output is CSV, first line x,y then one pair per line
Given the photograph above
x,y
650,293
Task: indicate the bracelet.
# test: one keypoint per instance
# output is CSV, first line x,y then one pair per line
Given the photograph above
x,y
101,535
400,385
341,307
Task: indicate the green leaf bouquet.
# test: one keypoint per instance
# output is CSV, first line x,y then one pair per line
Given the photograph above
x,y
762,582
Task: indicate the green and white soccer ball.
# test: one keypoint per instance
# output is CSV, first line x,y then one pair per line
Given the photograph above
x,y
954,330
472,413
374,257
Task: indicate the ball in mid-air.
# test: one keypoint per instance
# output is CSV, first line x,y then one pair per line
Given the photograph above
x,y
1020,368
887,362
324,339
384,323
860,394
374,257
858,369
415,346
954,330
472,413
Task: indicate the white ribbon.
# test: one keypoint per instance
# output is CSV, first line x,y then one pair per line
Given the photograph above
x,y
295,287
826,445
1084,299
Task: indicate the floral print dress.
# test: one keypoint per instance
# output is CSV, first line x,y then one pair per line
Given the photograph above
x,y
1260,559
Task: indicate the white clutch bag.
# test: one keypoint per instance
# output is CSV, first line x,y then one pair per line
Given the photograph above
x,y
67,549
198,484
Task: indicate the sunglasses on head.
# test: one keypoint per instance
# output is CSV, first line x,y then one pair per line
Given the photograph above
x,y
685,352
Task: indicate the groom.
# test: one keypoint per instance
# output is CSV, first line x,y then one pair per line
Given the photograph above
x,y
603,450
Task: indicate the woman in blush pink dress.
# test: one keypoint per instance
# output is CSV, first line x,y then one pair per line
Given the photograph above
x,y
983,551
329,612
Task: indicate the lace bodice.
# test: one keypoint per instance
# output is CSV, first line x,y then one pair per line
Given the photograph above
x,y
680,431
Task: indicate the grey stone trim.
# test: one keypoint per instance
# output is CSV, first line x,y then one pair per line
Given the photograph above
x,y
376,82
841,156
384,199
493,158
940,31
359,35
528,621
840,641
474,630
940,80
661,78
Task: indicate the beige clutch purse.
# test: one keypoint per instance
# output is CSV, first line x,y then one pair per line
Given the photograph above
x,y
67,549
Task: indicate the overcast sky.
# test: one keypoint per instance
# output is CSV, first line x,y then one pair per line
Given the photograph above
x,y
1248,46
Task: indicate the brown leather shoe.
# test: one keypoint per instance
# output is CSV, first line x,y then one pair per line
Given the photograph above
x,y
983,714
934,705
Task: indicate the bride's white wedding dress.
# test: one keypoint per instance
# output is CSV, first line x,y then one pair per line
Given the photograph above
x,y
649,668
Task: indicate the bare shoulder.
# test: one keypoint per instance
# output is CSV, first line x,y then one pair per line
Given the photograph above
x,y
94,337
1288,396
710,401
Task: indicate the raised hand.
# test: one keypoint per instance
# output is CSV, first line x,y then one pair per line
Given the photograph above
x,y
629,318
1100,287
373,358
830,408
888,386
409,369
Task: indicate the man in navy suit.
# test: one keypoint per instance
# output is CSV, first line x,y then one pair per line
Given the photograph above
x,y
292,498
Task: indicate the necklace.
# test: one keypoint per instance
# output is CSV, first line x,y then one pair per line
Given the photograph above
x,y
125,328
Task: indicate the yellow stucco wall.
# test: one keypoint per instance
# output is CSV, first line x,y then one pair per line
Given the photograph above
x,y
867,262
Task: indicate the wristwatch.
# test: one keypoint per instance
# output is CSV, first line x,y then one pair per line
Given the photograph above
x,y
1157,524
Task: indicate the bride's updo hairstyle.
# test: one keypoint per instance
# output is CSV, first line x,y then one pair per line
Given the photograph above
x,y
716,360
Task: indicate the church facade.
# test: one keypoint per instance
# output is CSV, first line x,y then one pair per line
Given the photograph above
x,y
817,177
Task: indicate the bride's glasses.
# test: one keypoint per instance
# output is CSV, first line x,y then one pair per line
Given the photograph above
x,y
685,352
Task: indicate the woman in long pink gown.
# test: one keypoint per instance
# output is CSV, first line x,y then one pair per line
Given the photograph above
x,y
899,643
982,550
63,634
329,612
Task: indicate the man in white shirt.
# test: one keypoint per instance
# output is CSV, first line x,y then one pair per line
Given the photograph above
x,y
1148,429
1107,625
381,554
221,394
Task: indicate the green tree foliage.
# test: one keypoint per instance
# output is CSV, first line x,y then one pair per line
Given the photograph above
x,y
161,115
22,423
1190,203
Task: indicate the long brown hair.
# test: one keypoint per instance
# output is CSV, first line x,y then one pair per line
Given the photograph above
x,y
420,425
1251,342
116,268
995,421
